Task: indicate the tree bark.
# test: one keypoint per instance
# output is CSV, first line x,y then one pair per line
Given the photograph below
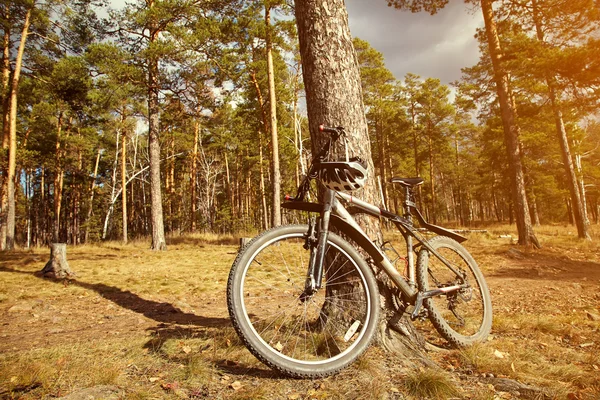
x,y
511,129
334,97
57,267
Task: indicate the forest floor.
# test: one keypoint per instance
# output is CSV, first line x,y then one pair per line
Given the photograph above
x,y
149,325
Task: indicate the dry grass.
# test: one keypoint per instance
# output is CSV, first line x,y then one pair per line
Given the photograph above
x,y
430,384
156,326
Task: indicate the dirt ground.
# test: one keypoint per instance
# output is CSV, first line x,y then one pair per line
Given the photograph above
x,y
133,320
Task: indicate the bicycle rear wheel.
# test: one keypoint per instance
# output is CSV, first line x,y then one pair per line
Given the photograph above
x,y
296,334
462,317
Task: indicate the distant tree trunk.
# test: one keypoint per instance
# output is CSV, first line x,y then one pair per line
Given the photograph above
x,y
432,178
91,202
570,211
193,177
6,45
58,179
334,97
158,227
576,198
12,147
534,206
124,181
265,214
263,196
276,181
511,129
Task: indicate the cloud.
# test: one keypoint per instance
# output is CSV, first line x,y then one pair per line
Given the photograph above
x,y
435,46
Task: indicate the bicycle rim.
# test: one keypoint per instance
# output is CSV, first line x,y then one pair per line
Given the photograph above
x,y
464,316
312,331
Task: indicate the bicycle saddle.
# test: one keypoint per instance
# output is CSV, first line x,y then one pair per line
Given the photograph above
x,y
407,182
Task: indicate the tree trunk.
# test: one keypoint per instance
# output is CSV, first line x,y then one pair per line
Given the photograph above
x,y
91,202
334,97
576,200
432,177
276,181
511,129
57,267
5,126
124,180
265,219
193,177
58,179
156,209
12,146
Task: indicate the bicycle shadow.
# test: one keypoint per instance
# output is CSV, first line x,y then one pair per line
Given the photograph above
x,y
158,311
174,323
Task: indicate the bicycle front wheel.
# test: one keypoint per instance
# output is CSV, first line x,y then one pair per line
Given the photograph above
x,y
297,334
462,317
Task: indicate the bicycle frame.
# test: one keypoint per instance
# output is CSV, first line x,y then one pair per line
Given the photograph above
x,y
333,212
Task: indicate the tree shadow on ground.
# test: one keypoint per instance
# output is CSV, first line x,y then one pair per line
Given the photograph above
x,y
201,242
547,267
157,311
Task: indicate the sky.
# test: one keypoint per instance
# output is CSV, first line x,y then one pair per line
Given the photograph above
x,y
435,46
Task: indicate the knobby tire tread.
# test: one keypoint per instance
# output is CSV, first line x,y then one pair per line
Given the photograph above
x,y
291,371
454,338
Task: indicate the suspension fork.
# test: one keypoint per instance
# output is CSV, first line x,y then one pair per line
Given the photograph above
x,y
314,277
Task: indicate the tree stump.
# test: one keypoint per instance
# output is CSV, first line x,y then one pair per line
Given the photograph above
x,y
57,267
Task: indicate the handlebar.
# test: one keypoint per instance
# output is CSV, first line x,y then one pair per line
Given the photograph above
x,y
335,132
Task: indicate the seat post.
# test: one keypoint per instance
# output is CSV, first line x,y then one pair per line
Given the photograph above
x,y
407,201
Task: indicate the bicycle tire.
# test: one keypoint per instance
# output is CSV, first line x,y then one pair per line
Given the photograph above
x,y
473,305
302,339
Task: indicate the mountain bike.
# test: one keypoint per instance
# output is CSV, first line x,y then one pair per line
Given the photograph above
x,y
305,301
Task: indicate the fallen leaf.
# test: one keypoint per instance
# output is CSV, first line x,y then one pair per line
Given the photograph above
x,y
237,385
153,379
186,349
498,354
293,396
512,366
170,386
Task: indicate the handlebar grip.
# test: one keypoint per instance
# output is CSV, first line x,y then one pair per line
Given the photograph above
x,y
334,130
